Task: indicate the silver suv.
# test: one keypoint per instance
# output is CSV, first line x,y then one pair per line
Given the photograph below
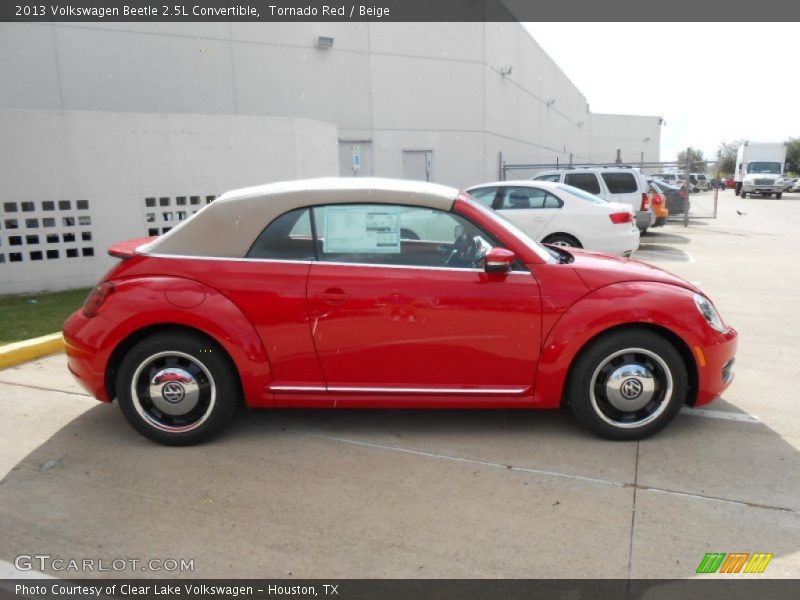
x,y
614,184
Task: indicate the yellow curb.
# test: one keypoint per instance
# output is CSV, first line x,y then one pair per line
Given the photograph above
x,y
20,352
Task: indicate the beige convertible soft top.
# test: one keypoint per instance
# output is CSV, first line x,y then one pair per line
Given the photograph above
x,y
229,225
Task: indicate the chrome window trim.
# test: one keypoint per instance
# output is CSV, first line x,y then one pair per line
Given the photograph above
x,y
321,262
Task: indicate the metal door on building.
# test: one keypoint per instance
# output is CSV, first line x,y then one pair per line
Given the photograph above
x,y
417,164
355,158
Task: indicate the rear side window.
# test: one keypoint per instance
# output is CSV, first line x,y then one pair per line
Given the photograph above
x,y
585,181
485,195
551,177
527,197
620,183
287,238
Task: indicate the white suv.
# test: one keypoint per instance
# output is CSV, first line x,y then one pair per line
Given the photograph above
x,y
614,184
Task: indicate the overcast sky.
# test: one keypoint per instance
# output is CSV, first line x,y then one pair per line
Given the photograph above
x,y
743,79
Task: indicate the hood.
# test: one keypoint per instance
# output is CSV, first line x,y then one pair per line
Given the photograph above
x,y
598,270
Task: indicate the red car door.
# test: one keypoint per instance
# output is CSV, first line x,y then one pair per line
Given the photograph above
x,y
415,318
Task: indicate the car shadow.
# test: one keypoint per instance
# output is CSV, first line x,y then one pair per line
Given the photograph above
x,y
660,252
663,237
97,488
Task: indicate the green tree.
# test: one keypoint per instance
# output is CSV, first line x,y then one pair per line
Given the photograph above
x,y
696,156
726,157
793,155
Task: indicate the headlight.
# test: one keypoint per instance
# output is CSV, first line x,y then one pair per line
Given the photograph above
x,y
709,313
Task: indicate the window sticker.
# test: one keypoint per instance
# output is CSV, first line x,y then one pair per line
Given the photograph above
x,y
362,229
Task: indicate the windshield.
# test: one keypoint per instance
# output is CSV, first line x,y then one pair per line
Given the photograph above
x,y
764,167
581,194
543,253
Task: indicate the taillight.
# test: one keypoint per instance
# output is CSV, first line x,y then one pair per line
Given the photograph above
x,y
620,217
645,201
96,299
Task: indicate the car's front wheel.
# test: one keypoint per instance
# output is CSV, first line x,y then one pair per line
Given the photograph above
x,y
627,385
177,388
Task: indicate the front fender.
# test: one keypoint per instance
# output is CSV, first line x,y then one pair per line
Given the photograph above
x,y
145,302
650,304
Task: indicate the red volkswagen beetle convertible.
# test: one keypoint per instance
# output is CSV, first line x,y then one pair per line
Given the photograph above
x,y
375,293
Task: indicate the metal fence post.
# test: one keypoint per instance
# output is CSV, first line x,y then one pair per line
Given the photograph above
x,y
688,186
501,175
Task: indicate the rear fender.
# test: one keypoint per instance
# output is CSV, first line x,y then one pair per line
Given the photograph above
x,y
142,303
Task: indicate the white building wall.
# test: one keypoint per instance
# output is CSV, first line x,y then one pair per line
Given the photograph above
x,y
132,109
638,138
114,162
439,83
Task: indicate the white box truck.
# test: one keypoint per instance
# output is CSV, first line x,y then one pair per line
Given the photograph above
x,y
759,169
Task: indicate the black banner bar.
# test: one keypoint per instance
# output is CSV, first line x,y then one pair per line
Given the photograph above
x,y
395,10
706,588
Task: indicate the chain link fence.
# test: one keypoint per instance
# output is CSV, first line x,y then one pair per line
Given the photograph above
x,y
703,197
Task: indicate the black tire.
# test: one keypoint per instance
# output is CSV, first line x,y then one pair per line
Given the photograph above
x,y
743,194
562,239
407,234
198,373
778,196
606,376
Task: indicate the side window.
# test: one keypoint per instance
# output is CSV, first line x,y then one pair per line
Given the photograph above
x,y
620,183
383,234
287,238
585,181
484,195
552,177
514,198
551,201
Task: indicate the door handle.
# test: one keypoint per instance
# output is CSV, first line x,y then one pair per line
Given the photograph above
x,y
333,296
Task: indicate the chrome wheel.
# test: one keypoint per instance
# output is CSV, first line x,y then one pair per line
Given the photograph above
x,y
173,391
631,388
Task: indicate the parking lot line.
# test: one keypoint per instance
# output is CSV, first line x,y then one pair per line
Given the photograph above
x,y
507,467
470,461
718,414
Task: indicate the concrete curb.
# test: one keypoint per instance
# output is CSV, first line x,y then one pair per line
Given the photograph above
x,y
20,352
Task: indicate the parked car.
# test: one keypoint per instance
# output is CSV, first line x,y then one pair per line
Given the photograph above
x,y
563,215
676,179
676,197
730,183
718,184
796,186
305,294
614,184
659,203
701,182
789,184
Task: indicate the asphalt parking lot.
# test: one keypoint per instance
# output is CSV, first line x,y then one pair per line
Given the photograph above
x,y
441,494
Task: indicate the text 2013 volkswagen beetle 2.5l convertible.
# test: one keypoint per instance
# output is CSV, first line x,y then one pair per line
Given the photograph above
x,y
376,293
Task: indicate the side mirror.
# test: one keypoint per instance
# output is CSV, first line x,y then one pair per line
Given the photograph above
x,y
498,260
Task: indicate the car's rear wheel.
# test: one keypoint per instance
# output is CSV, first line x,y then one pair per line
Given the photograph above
x,y
177,388
778,196
627,385
562,239
743,194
